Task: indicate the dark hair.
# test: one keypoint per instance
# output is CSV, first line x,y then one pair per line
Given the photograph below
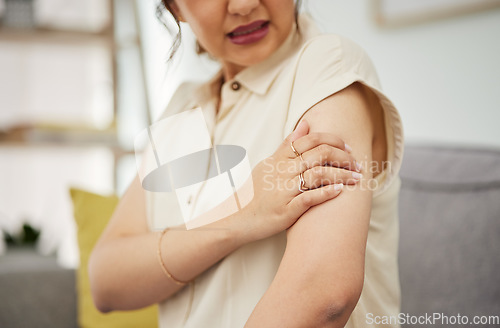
x,y
165,6
161,8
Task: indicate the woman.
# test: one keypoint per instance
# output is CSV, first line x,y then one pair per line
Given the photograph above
x,y
326,256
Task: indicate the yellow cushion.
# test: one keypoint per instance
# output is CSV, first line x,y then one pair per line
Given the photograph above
x,y
92,213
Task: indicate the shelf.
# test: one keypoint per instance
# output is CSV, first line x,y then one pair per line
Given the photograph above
x,y
50,35
65,136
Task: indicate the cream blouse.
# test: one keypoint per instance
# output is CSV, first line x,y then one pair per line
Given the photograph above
x,y
258,109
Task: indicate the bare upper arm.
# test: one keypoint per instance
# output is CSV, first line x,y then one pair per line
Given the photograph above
x,y
324,257
335,232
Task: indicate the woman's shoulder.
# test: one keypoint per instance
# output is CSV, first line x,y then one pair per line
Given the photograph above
x,y
315,42
330,42
329,63
330,52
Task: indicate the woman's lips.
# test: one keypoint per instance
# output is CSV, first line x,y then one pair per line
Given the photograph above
x,y
250,33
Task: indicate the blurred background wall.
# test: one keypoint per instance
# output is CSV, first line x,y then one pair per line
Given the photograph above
x,y
79,80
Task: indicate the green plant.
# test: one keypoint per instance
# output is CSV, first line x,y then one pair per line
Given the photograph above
x,y
27,236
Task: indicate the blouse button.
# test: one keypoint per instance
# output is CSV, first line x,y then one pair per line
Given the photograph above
x,y
235,85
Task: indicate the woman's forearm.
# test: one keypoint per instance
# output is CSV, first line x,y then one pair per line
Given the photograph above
x,y
125,272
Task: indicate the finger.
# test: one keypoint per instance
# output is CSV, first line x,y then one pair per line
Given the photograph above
x,y
302,202
286,146
331,156
320,176
315,139
301,130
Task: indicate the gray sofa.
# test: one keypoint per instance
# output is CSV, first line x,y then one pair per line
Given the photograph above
x,y
449,247
35,291
450,232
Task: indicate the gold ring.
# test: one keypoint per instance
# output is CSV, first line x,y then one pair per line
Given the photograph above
x,y
299,155
302,186
294,150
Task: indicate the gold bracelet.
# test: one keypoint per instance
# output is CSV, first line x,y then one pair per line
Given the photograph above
x,y
162,264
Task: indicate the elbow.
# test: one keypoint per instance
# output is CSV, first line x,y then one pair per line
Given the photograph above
x,y
100,297
101,306
99,292
336,313
339,305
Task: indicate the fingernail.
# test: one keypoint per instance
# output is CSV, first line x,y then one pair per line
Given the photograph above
x,y
338,186
356,175
294,133
359,166
348,148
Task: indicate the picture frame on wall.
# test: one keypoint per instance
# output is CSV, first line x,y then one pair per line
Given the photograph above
x,y
398,13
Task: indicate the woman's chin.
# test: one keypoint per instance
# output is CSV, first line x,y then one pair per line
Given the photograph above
x,y
252,57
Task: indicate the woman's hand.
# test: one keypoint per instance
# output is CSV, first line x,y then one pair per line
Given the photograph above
x,y
325,165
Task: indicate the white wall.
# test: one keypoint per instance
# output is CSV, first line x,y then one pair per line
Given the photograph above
x,y
443,76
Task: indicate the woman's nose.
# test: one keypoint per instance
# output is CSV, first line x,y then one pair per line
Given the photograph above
x,y
242,7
